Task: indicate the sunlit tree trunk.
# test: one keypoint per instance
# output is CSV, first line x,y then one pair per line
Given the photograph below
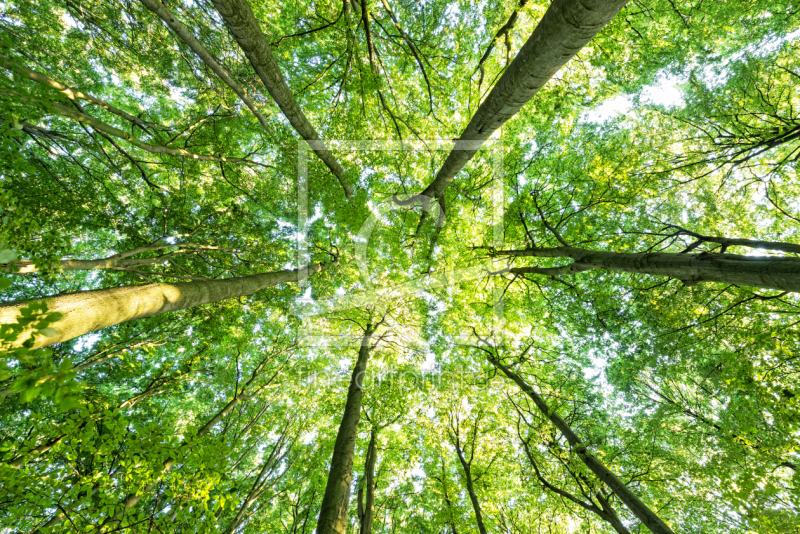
x,y
567,26
186,36
121,261
89,311
336,500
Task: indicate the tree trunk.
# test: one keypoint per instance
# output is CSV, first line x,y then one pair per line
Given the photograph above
x,y
367,512
567,26
649,518
27,267
240,21
473,497
767,272
186,36
120,261
336,500
89,311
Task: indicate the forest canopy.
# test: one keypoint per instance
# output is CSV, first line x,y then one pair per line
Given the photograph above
x,y
398,266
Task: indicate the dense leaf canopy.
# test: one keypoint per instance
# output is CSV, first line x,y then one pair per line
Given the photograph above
x,y
180,147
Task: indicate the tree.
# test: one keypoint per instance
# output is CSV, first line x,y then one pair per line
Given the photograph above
x,y
84,312
336,500
598,334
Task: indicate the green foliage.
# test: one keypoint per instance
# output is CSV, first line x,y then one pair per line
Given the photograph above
x,y
223,417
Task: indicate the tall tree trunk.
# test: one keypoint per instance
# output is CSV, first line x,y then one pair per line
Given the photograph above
x,y
89,311
366,512
768,272
27,267
336,500
649,518
240,21
567,26
473,497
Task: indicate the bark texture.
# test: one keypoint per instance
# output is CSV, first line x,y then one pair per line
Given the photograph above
x,y
767,272
89,311
121,261
336,500
648,518
567,26
240,21
27,267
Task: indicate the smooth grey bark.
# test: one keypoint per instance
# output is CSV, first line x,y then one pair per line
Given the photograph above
x,y
567,26
726,242
336,500
28,267
366,509
767,272
648,518
89,311
240,21
186,36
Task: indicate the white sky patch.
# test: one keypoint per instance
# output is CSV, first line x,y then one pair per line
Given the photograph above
x,y
176,93
429,363
418,474
666,92
609,109
87,342
308,437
